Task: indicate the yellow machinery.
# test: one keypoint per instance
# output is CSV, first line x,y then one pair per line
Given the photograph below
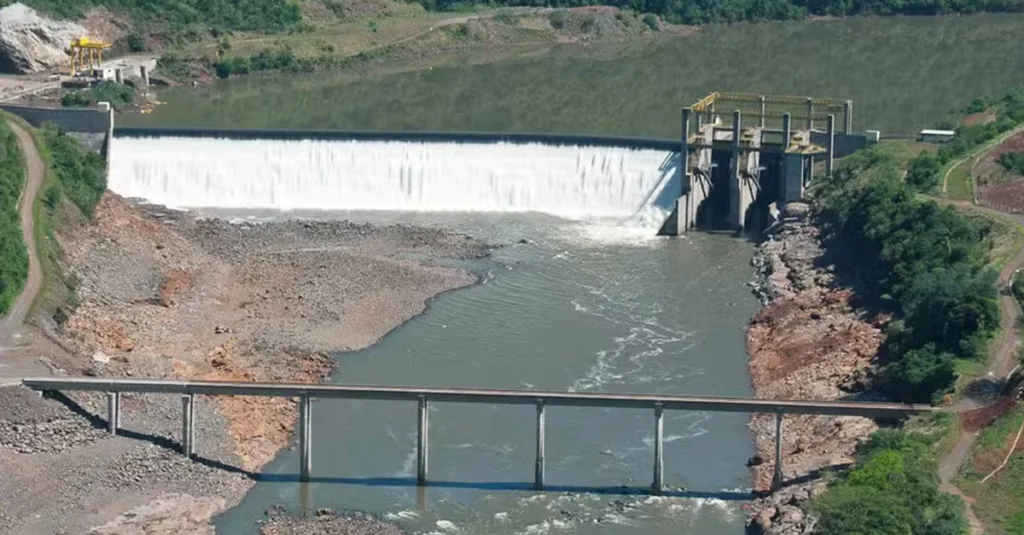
x,y
86,53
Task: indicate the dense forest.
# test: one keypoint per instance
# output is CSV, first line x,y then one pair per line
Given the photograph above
x,y
928,265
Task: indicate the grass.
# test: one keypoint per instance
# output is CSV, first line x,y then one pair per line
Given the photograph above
x,y
887,66
959,185
52,210
999,502
13,254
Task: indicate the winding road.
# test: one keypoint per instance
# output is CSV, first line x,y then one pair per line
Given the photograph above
x,y
35,173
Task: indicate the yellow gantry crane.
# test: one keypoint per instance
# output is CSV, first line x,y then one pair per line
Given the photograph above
x,y
86,52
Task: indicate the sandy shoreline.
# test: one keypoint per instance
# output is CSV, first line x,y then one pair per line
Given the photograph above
x,y
166,295
808,342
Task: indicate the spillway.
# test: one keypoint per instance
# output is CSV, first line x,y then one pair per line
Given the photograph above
x,y
573,182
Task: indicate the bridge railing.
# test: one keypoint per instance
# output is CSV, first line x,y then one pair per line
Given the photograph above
x,y
423,396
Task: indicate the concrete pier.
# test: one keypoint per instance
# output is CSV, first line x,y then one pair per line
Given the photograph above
x,y
777,478
848,117
119,75
305,437
810,113
659,462
735,217
113,412
421,442
538,468
188,447
830,145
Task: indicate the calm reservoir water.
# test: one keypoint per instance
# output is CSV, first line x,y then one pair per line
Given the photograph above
x,y
580,308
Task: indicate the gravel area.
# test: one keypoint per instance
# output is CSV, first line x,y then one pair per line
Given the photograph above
x,y
166,295
325,522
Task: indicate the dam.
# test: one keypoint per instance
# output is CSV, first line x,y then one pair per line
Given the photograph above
x,y
579,306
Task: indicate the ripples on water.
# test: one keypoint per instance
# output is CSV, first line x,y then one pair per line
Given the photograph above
x,y
581,307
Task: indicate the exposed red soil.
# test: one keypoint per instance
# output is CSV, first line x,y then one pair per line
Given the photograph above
x,y
996,187
982,117
977,419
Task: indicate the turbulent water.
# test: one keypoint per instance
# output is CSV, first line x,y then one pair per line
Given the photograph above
x,y
567,181
592,302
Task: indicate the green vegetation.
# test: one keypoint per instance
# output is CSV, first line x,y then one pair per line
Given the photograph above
x,y
179,15
705,11
632,88
118,95
892,491
1009,113
1012,162
923,172
13,254
999,502
928,264
80,172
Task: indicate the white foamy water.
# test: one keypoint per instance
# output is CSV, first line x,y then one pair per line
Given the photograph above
x,y
572,182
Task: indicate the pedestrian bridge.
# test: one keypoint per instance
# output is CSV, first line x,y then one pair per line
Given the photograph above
x,y
423,396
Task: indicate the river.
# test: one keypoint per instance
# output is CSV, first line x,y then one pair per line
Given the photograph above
x,y
579,307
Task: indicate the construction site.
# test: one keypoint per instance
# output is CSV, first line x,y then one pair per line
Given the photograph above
x,y
745,156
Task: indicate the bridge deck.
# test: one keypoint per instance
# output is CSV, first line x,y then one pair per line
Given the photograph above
x,y
473,395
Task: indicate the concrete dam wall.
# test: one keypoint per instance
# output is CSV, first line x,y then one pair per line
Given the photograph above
x,y
632,181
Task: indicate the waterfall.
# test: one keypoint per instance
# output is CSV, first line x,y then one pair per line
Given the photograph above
x,y
572,182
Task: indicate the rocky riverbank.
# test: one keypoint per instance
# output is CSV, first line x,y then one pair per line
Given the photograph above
x,y
808,342
167,295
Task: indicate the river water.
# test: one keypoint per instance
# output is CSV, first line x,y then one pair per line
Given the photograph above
x,y
580,307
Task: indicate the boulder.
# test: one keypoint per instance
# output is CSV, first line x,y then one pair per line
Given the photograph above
x,y
31,43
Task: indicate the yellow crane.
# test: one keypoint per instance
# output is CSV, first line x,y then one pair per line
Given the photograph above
x,y
86,51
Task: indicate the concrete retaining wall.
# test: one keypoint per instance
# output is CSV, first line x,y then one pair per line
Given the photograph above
x,y
845,144
363,135
85,120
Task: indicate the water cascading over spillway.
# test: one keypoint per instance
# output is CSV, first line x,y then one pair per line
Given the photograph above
x,y
573,182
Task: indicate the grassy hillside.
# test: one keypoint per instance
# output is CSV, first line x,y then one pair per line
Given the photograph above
x,y
254,15
902,74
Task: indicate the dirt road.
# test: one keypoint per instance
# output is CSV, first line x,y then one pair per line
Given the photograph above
x,y
1001,362
35,172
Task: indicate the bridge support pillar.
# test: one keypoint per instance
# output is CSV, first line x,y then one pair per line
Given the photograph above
x,y
777,477
188,447
305,437
830,145
659,464
538,469
421,442
113,412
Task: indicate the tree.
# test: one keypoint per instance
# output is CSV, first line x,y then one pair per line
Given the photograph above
x,y
923,172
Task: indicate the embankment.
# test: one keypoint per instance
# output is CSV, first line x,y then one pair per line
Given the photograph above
x,y
164,294
808,342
